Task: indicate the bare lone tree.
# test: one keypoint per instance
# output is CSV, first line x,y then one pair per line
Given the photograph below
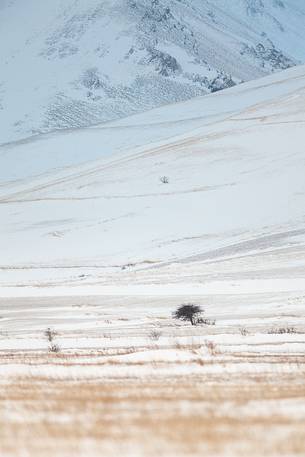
x,y
189,312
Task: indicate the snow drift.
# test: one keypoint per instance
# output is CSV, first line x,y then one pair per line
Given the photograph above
x,y
85,205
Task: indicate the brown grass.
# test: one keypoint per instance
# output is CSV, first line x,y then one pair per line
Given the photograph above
x,y
179,416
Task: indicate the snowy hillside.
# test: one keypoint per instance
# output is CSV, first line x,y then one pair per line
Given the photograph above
x,y
235,193
75,63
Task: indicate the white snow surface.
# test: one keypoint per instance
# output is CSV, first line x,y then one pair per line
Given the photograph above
x,y
73,63
85,209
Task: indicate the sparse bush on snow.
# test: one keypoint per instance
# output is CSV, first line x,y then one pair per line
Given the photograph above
x,y
155,335
211,347
54,348
282,330
50,334
164,179
206,321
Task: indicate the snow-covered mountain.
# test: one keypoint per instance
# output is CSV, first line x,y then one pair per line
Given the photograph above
x,y
89,206
72,63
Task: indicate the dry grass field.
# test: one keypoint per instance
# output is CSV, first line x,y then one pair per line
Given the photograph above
x,y
258,415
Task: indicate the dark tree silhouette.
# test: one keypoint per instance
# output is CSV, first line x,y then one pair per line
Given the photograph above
x,y
188,312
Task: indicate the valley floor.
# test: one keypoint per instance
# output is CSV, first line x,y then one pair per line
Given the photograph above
x,y
127,379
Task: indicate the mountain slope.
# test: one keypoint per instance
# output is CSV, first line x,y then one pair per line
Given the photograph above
x,y
75,63
234,201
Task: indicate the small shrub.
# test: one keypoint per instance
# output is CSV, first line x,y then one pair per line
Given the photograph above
x,y
243,331
155,335
206,321
282,330
164,179
211,347
128,265
50,334
54,348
